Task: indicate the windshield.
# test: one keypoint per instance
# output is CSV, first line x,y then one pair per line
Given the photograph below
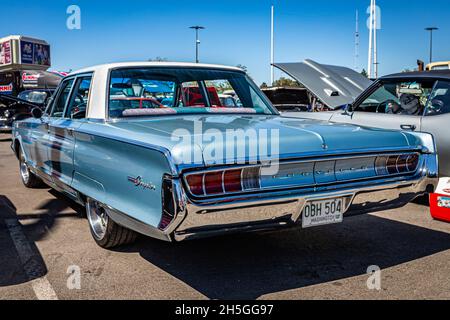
x,y
163,91
398,97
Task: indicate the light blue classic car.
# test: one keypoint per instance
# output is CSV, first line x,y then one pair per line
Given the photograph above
x,y
176,164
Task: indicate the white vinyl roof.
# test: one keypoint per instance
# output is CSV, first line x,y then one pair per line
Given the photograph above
x,y
98,97
106,67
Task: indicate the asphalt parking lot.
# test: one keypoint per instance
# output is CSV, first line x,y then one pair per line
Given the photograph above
x,y
42,237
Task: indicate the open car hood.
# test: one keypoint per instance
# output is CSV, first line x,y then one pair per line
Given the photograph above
x,y
335,86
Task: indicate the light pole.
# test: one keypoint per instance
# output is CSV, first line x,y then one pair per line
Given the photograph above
x,y
197,41
431,29
272,44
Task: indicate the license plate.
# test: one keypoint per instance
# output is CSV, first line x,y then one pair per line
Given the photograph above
x,y
317,213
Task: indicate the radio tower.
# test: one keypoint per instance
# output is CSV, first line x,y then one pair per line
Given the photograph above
x,y
357,42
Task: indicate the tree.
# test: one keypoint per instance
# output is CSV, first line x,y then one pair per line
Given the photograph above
x,y
158,59
364,73
285,82
240,66
264,85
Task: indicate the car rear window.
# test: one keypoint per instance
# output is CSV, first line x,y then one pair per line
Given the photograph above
x,y
168,91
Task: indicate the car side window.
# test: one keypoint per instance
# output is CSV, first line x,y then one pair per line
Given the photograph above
x,y
61,100
398,97
79,99
439,102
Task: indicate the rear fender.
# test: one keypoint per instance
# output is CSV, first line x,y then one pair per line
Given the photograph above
x,y
126,177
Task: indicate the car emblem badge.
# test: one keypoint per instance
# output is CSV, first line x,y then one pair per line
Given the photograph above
x,y
139,182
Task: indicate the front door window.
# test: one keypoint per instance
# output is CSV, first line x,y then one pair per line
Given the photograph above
x,y
61,100
79,100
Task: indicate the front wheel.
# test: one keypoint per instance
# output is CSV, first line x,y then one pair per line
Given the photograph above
x,y
104,230
29,179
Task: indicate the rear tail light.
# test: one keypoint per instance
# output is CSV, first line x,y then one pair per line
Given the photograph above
x,y
232,180
392,165
214,183
412,162
251,178
381,166
225,181
168,204
401,164
301,174
195,183
405,163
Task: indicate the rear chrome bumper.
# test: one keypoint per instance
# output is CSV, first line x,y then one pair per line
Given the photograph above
x,y
279,209
283,209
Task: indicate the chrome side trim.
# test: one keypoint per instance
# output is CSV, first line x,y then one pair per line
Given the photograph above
x,y
136,225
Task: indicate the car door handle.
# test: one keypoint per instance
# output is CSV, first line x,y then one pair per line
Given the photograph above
x,y
70,131
409,127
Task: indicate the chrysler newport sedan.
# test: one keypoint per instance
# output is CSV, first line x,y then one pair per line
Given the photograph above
x,y
148,148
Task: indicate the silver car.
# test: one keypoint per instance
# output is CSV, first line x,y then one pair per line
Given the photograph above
x,y
416,101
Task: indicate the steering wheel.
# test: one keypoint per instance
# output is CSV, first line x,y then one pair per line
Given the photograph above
x,y
436,106
385,103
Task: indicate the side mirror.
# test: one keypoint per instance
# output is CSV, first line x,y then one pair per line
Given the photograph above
x,y
36,113
348,109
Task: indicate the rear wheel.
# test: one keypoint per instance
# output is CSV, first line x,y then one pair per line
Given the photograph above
x,y
29,179
104,230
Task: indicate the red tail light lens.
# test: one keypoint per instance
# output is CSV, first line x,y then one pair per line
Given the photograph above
x,y
412,162
214,183
232,180
195,183
392,165
405,163
222,182
402,167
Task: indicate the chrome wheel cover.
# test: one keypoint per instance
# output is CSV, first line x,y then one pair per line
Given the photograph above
x,y
24,171
98,219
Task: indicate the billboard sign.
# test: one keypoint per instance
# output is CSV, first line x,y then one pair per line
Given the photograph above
x,y
26,50
30,79
34,53
5,53
6,89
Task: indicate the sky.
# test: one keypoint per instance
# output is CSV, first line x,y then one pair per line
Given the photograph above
x,y
237,31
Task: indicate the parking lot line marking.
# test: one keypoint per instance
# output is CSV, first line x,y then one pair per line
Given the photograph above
x,y
30,261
